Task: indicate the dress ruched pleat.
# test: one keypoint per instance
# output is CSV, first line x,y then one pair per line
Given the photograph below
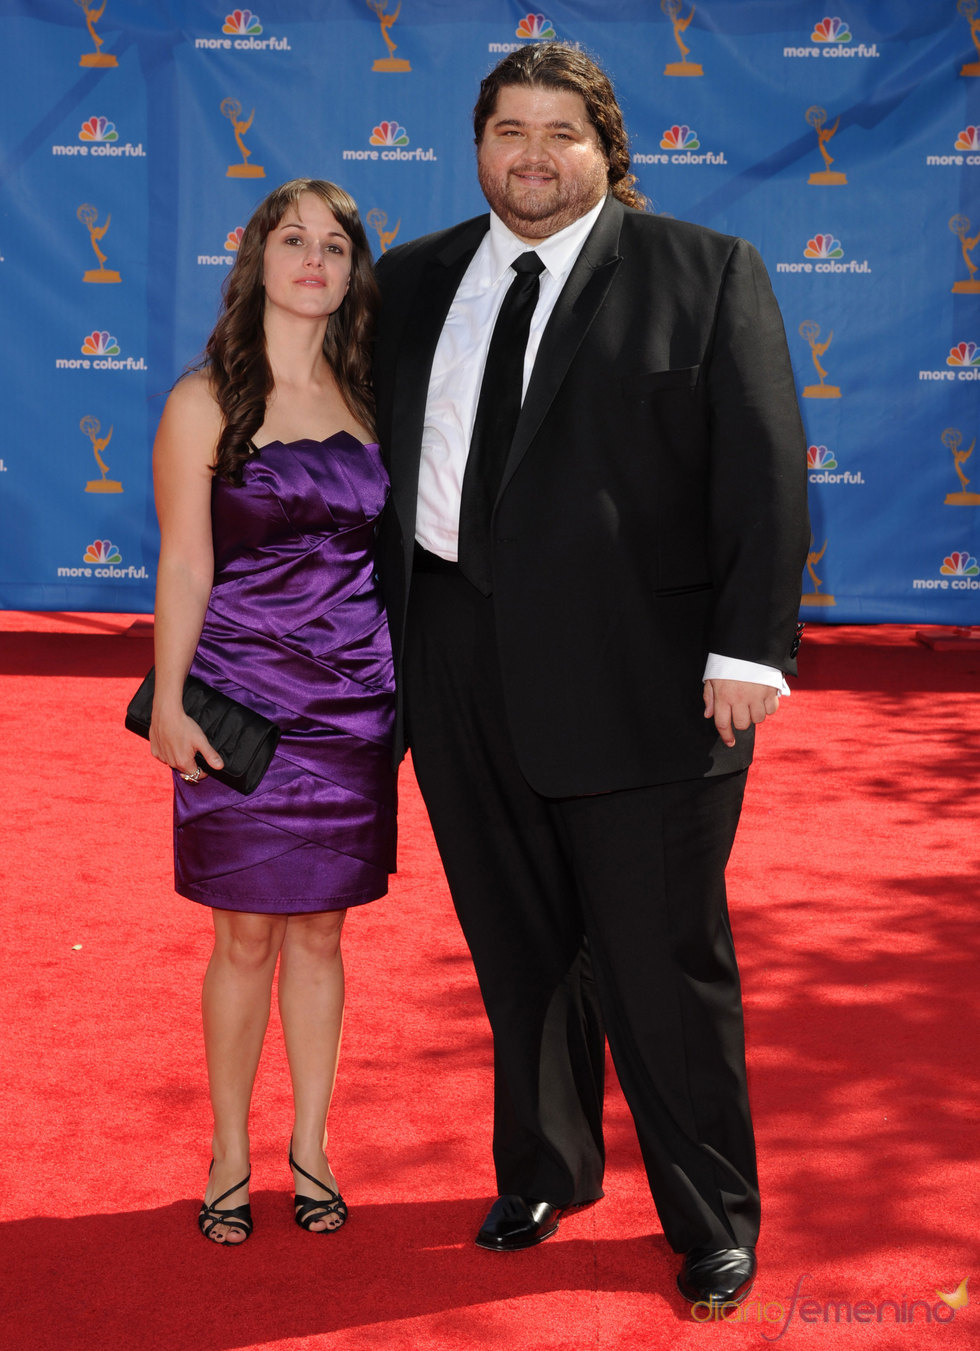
x,y
295,629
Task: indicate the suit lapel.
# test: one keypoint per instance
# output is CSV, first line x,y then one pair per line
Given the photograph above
x,y
576,307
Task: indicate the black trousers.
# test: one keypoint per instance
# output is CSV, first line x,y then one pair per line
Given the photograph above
x,y
586,917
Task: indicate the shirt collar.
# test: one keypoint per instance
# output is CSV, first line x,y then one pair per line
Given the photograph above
x,y
558,252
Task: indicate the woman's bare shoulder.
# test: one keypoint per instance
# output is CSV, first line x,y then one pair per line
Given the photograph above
x,y
191,405
191,421
194,393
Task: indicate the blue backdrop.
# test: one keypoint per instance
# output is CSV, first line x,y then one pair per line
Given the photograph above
x,y
137,138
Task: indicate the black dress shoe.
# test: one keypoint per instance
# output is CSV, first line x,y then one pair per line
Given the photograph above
x,y
515,1223
717,1275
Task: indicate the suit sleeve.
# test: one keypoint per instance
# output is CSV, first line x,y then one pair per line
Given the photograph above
x,y
758,526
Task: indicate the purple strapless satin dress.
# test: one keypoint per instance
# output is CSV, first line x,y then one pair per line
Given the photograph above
x,y
295,629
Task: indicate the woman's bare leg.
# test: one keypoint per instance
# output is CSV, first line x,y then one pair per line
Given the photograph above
x,y
311,1004
235,1004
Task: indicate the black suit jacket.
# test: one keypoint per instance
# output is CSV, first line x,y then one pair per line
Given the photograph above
x,y
653,505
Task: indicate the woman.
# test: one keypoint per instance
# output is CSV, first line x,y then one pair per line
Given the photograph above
x,y
268,487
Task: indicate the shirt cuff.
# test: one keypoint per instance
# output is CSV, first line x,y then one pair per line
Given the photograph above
x,y
733,668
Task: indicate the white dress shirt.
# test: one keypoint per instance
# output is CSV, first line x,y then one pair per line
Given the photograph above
x,y
457,373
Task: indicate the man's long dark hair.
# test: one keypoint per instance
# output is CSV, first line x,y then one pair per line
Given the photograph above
x,y
235,356
554,65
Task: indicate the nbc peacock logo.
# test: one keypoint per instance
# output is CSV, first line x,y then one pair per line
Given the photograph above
x,y
679,138
831,36
241,32
683,146
823,246
531,27
965,150
100,351
821,463
960,563
389,133
964,355
232,243
100,343
831,30
959,571
535,28
98,129
823,253
99,137
819,457
102,551
962,363
241,22
103,559
388,141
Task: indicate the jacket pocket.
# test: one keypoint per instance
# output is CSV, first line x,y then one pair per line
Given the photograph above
x,y
641,384
689,590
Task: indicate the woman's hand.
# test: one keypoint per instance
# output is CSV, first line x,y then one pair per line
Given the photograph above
x,y
176,739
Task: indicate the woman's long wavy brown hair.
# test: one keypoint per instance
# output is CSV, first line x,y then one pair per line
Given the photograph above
x,y
235,356
555,65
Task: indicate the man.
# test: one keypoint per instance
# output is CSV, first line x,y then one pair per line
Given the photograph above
x,y
587,633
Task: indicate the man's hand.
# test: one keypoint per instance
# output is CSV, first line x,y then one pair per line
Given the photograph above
x,y
738,704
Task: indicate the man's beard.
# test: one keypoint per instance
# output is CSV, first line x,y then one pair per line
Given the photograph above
x,y
524,210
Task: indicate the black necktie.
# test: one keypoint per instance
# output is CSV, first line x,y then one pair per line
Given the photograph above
x,y
496,418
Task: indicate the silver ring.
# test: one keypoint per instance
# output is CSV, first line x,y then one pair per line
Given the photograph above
x,y
191,778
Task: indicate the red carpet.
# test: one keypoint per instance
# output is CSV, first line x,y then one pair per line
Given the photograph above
x,y
854,896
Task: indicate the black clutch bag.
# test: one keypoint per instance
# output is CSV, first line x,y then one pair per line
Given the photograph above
x,y
244,739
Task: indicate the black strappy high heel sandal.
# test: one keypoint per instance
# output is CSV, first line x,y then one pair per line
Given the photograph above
x,y
309,1210
236,1217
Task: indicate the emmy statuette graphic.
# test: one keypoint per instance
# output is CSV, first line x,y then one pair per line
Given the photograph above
x,y
826,177
378,219
672,8
952,440
232,109
811,331
98,57
960,226
968,9
816,596
90,426
88,215
391,62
